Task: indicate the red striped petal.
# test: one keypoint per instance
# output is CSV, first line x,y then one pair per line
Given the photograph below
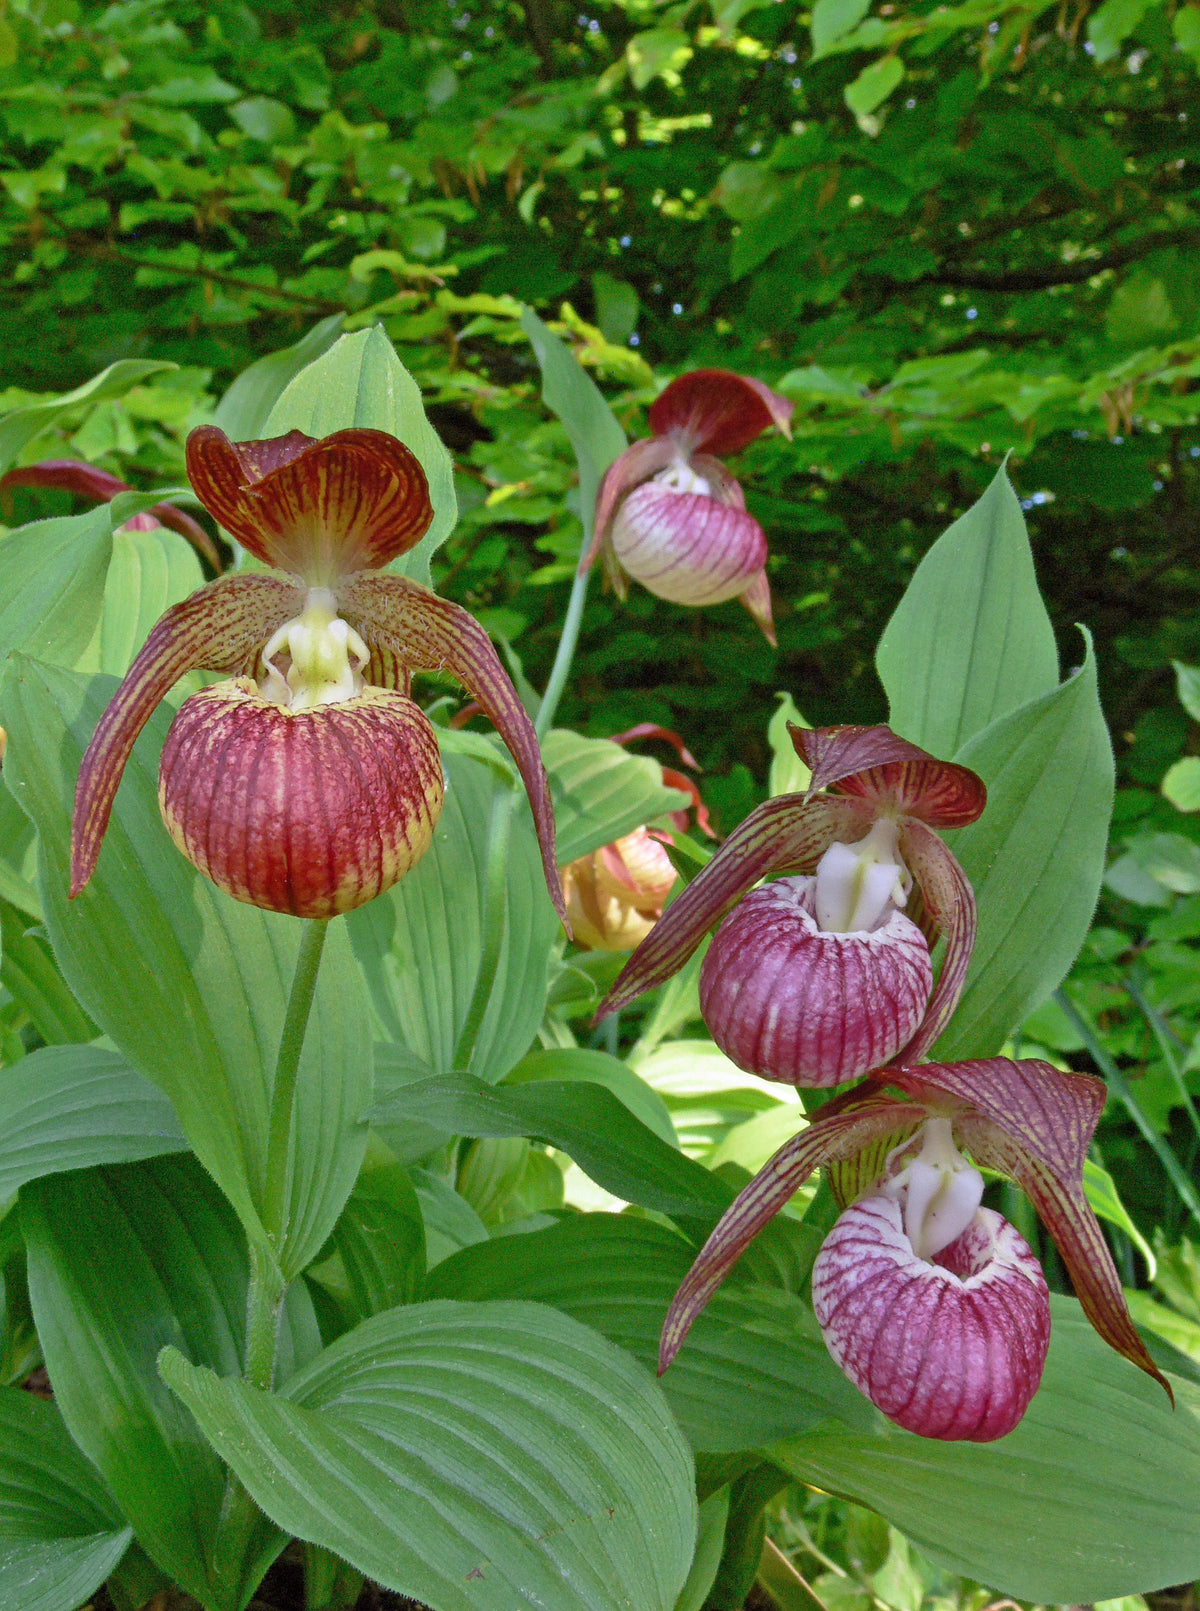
x,y
318,509
221,627
685,546
718,411
949,903
872,764
72,475
407,625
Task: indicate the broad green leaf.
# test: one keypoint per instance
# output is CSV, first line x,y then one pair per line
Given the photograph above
x,y
122,1262
18,857
422,946
585,1121
587,419
30,975
601,791
833,18
52,584
970,641
598,1068
1035,857
243,411
657,51
753,1365
61,1533
149,571
710,1541
67,1107
873,85
360,381
450,1221
478,1457
22,425
376,1254
190,985
1111,24
1095,1495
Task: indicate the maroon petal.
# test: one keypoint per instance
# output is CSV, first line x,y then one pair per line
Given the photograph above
x,y
637,464
686,546
791,1002
757,599
837,1132
952,1349
949,903
718,411
873,764
653,730
1034,1123
221,627
783,834
72,475
319,509
408,622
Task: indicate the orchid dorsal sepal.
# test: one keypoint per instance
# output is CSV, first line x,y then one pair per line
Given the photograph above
x,y
875,765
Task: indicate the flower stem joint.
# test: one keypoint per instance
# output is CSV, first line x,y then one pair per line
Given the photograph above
x,y
309,782
932,1305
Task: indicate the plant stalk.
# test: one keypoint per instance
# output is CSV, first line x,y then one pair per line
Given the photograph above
x,y
565,652
492,920
268,1284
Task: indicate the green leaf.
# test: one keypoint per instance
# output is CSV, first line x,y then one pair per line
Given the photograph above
x,y
598,1068
421,946
377,1249
1187,682
1111,24
123,1261
831,19
22,425
1096,1494
61,1534
1181,784
710,1542
243,411
601,791
29,973
360,381
753,1365
204,1021
615,1149
873,85
149,571
1035,857
587,419
1102,1194
788,774
970,640
67,1107
52,584
478,1457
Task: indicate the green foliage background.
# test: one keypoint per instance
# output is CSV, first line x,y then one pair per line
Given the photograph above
x,y
947,232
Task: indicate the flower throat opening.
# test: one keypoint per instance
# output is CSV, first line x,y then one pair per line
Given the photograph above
x,y
314,659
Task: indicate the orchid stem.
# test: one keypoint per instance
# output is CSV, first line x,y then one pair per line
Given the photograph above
x,y
565,653
492,919
268,1285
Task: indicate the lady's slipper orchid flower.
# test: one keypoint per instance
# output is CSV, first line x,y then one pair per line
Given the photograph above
x,y
670,515
817,979
310,782
933,1306
615,896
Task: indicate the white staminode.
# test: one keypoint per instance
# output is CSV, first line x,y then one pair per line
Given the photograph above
x,y
327,657
680,477
937,1188
859,886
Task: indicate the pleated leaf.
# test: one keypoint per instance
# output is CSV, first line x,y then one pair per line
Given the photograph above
x,y
422,945
601,792
149,571
30,974
243,411
122,1262
478,1457
69,1107
1094,1496
52,584
61,1533
190,985
22,425
586,1121
360,381
1035,857
753,1365
970,640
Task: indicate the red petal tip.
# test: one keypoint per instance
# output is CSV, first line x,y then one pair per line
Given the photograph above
x,y
719,411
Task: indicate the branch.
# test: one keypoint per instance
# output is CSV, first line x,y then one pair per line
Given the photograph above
x,y
196,271
1061,273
